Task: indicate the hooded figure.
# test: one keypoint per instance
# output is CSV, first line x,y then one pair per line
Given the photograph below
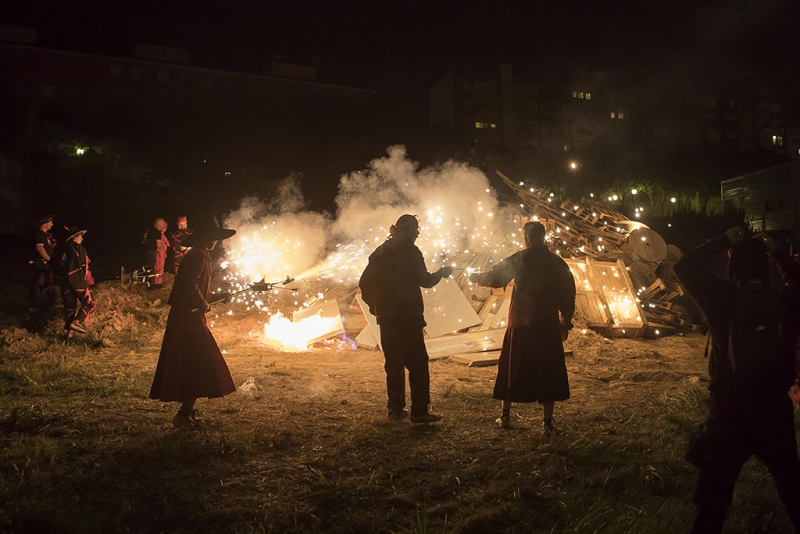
x,y
190,364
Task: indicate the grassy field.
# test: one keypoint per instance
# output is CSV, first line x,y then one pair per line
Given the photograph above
x,y
82,448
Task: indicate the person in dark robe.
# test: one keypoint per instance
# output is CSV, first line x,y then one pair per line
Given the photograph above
x,y
749,412
41,260
190,365
155,244
176,249
398,307
532,367
75,279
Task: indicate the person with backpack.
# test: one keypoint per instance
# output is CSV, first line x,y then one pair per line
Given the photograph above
x,y
390,286
754,330
532,366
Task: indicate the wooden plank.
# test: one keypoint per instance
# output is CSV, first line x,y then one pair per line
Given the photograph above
x,y
477,359
501,319
366,340
465,343
487,322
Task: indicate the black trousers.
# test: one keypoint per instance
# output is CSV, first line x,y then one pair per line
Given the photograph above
x,y
404,348
78,305
723,446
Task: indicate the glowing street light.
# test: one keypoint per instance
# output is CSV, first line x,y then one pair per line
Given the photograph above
x,y
673,200
633,191
80,151
573,165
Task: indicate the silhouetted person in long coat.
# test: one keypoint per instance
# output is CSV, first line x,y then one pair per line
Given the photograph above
x,y
191,365
532,367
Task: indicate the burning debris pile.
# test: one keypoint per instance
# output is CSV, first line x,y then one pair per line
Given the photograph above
x,y
462,225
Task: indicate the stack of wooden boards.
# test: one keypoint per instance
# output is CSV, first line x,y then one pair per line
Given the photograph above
x,y
590,231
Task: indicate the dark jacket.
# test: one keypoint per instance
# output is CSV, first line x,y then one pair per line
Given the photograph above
x,y
402,273
73,266
716,298
543,286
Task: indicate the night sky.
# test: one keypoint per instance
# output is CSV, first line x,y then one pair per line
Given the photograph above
x,y
738,46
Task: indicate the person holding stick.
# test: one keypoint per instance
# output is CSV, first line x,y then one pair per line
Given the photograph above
x,y
532,367
190,365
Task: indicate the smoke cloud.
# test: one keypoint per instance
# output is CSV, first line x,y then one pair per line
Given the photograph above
x,y
454,202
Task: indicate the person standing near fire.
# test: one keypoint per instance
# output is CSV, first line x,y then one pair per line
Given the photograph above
x,y
754,330
390,286
532,367
42,277
155,245
73,274
190,365
176,238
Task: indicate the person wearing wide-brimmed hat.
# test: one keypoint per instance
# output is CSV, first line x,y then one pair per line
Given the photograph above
x,y
41,256
190,365
75,278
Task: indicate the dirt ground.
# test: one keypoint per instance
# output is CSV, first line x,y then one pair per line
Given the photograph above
x,y
304,445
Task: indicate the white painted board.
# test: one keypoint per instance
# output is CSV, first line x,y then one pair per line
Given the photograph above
x,y
447,310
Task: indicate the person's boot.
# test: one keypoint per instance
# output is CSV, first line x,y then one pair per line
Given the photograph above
x,y
425,418
397,415
504,421
547,427
182,420
77,327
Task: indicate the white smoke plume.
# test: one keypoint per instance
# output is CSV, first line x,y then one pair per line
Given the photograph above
x,y
274,238
454,202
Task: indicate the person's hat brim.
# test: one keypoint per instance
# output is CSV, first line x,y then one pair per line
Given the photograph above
x,y
76,234
44,220
197,238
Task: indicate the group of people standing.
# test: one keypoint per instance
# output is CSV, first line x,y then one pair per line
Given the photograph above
x,y
164,250
754,331
531,368
60,262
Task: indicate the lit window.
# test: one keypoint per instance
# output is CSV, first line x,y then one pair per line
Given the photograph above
x,y
588,96
581,95
481,125
613,115
493,126
574,94
621,114
777,140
